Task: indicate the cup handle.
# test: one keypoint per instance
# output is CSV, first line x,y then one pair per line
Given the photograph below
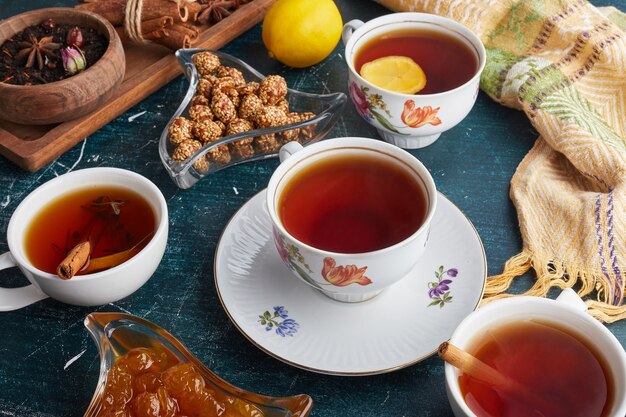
x,y
288,149
16,298
348,30
568,296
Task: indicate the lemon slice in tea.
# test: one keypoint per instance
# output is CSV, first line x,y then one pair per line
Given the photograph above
x,y
399,74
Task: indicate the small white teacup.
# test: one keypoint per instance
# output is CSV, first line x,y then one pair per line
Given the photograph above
x,y
410,120
350,277
92,289
567,312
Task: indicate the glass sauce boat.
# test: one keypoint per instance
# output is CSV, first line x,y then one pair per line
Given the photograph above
x,y
116,334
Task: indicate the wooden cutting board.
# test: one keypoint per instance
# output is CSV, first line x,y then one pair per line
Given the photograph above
x,y
148,67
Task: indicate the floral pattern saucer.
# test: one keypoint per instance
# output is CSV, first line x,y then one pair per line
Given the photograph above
x,y
295,323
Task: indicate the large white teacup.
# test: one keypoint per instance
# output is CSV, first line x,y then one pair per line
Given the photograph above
x,y
567,312
335,274
92,289
410,120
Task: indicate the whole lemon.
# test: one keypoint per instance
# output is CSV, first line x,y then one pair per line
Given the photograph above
x,y
301,33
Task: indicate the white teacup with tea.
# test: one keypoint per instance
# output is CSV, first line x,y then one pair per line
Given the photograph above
x,y
532,356
412,75
89,237
351,216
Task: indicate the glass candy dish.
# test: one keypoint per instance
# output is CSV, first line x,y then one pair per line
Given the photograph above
x,y
326,107
116,334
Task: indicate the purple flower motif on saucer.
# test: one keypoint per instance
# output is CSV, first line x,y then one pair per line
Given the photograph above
x,y
439,291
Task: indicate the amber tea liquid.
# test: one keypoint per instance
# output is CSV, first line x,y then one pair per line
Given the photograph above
x,y
447,62
89,214
353,203
562,370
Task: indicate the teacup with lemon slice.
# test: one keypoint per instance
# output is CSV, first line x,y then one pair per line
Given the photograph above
x,y
412,75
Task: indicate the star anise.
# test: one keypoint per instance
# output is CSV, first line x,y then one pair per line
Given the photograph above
x,y
36,49
215,10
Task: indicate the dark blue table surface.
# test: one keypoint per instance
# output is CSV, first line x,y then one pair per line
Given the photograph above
x,y
472,164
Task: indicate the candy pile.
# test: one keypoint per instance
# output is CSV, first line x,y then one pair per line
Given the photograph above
x,y
226,104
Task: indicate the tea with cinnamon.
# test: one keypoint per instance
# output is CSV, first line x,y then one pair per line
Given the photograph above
x,y
565,374
353,203
116,223
446,61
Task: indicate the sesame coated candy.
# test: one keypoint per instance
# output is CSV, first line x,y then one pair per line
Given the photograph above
x,y
207,131
223,108
308,131
199,100
272,89
266,143
186,149
241,151
206,62
250,88
232,73
204,88
221,125
237,126
219,154
180,130
283,104
250,106
271,116
200,112
291,134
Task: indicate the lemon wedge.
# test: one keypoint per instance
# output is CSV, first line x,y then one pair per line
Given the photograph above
x,y
399,74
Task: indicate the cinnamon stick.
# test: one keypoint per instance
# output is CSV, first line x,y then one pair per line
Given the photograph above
x,y
112,11
474,367
156,8
194,9
157,23
156,35
185,29
110,261
175,40
74,261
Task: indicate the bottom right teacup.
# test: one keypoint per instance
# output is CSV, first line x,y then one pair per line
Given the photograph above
x,y
550,357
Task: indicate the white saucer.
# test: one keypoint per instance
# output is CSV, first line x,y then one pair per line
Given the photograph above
x,y
401,326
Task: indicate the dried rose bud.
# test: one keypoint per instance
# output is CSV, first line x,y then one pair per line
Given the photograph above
x,y
48,24
75,38
73,60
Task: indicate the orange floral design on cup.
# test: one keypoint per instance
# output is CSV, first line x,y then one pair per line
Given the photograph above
x,y
341,276
419,116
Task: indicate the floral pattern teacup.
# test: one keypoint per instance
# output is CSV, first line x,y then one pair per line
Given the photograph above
x,y
410,120
340,276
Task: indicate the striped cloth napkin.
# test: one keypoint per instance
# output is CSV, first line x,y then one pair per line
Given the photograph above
x,y
564,64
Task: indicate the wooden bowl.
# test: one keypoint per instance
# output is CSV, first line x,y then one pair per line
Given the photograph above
x,y
72,97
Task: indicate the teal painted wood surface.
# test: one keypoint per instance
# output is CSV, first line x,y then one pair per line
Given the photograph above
x,y
49,365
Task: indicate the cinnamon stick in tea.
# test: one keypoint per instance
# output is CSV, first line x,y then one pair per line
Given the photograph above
x,y
474,367
74,261
110,261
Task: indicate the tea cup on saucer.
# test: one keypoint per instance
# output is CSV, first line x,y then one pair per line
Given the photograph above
x,y
90,289
411,120
342,274
567,314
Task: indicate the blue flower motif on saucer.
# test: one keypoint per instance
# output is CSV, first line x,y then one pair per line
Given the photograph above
x,y
279,321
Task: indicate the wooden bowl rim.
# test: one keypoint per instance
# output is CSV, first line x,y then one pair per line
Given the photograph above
x,y
110,33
